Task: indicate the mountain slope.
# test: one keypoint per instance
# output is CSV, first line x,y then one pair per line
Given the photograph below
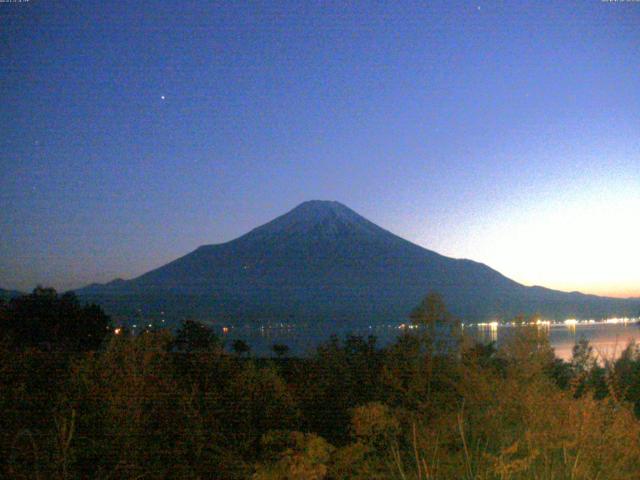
x,y
323,261
9,294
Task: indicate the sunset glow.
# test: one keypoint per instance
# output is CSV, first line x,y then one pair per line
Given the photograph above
x,y
582,239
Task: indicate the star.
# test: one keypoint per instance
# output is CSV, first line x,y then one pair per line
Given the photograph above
x,y
162,97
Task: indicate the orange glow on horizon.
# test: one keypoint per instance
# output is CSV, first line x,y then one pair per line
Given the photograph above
x,y
628,293
615,291
580,238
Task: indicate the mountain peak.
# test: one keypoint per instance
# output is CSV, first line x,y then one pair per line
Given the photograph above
x,y
315,216
320,205
317,209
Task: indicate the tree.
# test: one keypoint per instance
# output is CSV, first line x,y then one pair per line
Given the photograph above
x,y
194,336
583,359
240,347
431,312
46,320
280,349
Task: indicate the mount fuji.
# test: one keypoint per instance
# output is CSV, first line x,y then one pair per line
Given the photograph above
x,y
322,262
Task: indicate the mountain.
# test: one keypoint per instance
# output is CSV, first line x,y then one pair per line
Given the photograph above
x,y
322,261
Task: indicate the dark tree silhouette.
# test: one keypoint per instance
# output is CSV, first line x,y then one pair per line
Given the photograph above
x,y
240,347
431,311
46,320
194,336
280,349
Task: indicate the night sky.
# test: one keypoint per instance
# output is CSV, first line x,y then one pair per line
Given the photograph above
x,y
505,132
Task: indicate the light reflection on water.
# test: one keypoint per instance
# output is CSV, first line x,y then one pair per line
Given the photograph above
x,y
608,340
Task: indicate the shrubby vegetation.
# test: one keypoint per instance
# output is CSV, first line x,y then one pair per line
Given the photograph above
x,y
95,404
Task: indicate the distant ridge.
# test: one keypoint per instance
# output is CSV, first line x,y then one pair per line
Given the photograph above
x,y
322,261
9,294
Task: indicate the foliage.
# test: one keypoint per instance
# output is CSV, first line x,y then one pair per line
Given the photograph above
x,y
194,336
431,311
49,321
293,456
161,406
240,347
280,349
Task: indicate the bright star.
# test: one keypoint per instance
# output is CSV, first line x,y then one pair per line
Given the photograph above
x,y
162,97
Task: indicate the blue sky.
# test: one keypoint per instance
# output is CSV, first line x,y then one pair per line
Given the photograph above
x,y
506,132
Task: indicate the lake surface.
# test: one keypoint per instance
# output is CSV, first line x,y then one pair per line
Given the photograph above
x,y
607,339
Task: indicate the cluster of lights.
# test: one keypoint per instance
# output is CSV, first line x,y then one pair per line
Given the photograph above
x,y
491,325
539,323
608,321
276,326
404,326
569,322
620,320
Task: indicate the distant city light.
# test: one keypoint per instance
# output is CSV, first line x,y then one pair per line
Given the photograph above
x,y
617,320
570,322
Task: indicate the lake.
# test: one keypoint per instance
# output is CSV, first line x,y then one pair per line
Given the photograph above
x,y
607,338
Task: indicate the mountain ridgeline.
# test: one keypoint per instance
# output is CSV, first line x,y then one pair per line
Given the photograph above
x,y
322,262
9,294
